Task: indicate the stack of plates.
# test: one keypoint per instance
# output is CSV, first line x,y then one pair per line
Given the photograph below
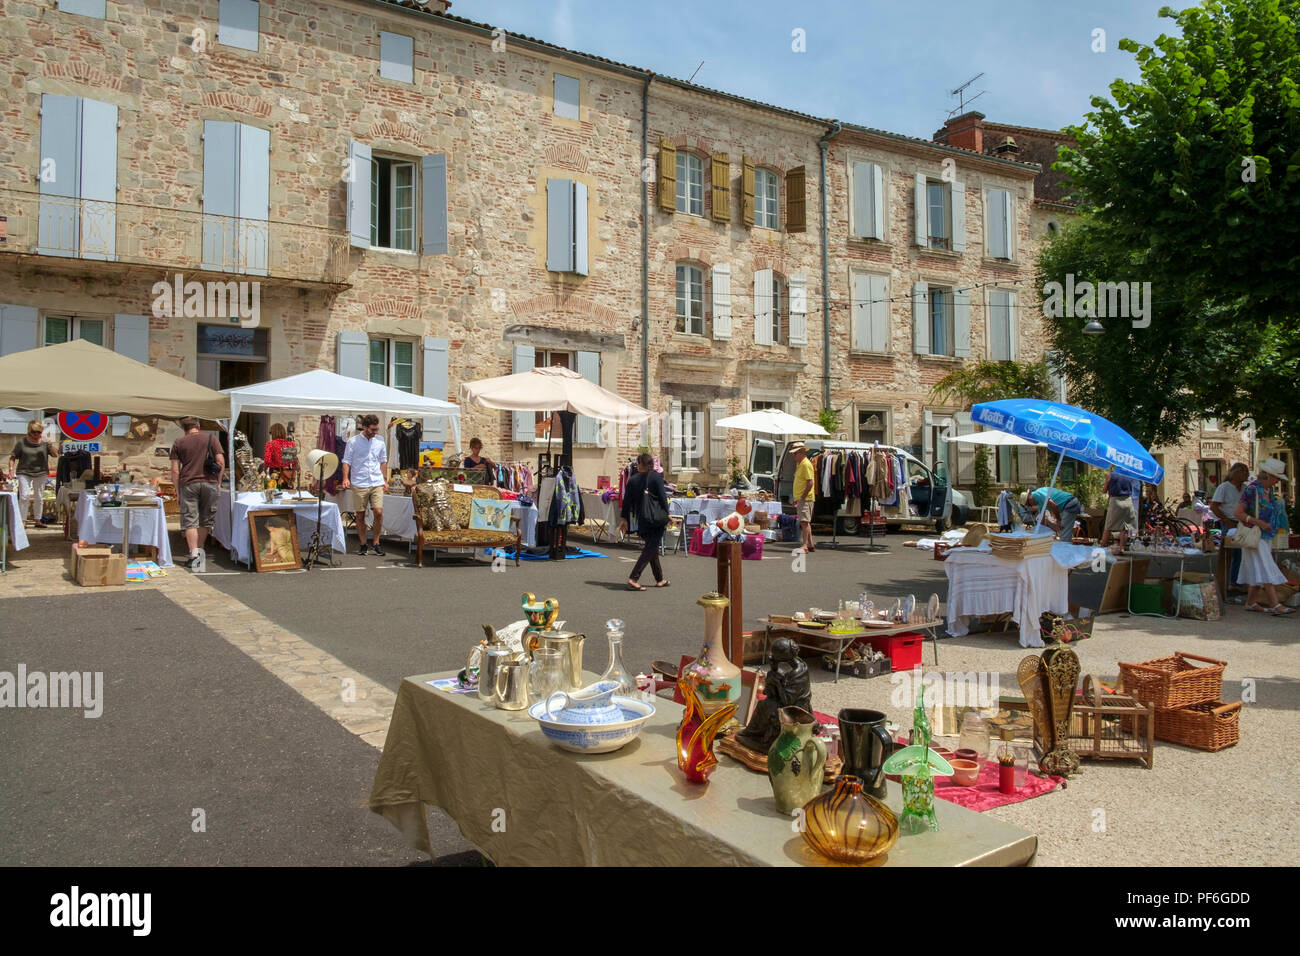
x,y
1017,547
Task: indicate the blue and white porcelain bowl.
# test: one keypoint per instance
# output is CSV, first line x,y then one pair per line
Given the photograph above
x,y
593,704
585,738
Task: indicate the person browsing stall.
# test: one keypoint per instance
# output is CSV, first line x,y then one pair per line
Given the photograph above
x,y
197,487
804,493
1261,507
1061,505
31,457
365,474
1224,506
1120,514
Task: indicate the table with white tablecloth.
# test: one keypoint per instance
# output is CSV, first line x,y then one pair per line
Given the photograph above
x,y
604,515
148,525
979,583
711,509
399,517
304,513
13,534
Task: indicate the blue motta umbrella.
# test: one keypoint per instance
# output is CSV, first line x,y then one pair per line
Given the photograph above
x,y
1071,431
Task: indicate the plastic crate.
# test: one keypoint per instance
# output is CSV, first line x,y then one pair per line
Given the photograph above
x,y
1147,599
903,650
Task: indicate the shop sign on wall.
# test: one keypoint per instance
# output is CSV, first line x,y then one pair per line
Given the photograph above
x,y
1211,449
90,446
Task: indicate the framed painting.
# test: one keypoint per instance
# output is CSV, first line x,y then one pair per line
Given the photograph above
x,y
273,536
490,514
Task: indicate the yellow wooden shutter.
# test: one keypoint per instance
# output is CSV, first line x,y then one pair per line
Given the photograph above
x,y
795,207
667,176
747,187
721,177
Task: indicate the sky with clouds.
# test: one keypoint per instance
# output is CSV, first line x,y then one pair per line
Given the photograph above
x,y
880,63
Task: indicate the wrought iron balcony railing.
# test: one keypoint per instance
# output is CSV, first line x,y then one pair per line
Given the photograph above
x,y
170,238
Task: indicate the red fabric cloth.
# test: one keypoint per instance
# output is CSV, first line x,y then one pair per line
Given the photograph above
x,y
984,795
274,454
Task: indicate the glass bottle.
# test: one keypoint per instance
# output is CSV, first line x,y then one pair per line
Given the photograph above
x,y
617,671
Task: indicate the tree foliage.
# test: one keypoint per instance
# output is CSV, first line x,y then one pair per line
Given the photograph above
x,y
987,381
1190,179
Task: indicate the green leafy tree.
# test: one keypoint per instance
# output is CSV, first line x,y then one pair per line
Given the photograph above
x,y
988,381
983,487
829,419
1190,179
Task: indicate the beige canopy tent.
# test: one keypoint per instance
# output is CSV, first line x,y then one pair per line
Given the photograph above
x,y
79,376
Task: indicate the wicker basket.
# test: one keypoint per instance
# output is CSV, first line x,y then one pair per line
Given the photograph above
x,y
1170,682
1209,726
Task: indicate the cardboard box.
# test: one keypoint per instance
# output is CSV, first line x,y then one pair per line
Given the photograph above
x,y
77,555
100,570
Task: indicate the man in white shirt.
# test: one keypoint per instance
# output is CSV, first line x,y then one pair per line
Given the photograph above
x,y
1226,498
365,473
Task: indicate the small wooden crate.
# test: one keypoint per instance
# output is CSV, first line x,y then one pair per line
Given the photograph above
x,y
1111,726
1209,726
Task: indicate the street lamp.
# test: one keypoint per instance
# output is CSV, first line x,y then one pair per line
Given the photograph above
x,y
1093,328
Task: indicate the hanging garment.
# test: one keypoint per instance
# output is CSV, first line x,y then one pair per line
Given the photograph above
x,y
325,440
566,500
1006,516
880,478
408,443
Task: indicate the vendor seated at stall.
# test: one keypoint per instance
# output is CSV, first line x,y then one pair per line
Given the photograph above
x,y
476,459
1063,509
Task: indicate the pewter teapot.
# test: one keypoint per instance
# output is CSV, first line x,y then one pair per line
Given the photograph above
x,y
492,653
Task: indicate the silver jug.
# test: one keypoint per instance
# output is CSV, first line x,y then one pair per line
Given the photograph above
x,y
570,647
510,686
492,654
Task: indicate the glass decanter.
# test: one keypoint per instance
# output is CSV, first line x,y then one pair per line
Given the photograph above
x,y
617,671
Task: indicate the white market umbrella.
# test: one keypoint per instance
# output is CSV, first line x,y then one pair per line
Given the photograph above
x,y
772,421
553,389
994,438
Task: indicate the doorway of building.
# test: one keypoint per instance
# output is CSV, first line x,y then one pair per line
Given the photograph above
x,y
233,357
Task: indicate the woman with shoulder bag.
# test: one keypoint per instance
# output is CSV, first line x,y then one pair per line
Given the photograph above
x,y
1259,508
645,498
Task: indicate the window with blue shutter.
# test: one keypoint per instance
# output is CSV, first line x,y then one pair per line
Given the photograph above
x,y
524,424
587,430
396,57
435,384
567,96
566,226
85,8
237,24
353,355
79,177
433,173
236,197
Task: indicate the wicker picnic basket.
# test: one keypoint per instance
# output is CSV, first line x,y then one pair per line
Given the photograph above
x,y
1209,726
1169,682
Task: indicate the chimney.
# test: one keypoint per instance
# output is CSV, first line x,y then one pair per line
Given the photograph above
x,y
1007,148
965,132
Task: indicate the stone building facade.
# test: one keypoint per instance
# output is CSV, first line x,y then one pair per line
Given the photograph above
x,y
426,201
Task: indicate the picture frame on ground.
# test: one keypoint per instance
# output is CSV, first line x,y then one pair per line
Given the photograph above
x,y
273,536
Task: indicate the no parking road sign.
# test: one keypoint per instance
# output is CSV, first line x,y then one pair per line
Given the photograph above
x,y
82,426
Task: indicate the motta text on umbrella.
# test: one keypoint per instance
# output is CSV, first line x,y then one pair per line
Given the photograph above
x,y
234,301
1099,300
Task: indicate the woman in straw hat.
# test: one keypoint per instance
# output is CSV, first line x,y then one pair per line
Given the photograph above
x,y
1261,507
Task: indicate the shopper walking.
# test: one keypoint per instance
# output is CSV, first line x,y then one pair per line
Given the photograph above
x,y
804,494
365,474
1224,505
645,483
29,463
1260,507
197,464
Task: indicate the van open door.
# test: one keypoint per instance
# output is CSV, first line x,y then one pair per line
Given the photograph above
x,y
941,498
762,464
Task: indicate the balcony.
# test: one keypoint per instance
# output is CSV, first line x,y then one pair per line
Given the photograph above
x,y
88,231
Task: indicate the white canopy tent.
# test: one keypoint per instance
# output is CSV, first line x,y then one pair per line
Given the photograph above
x,y
994,438
771,421
323,392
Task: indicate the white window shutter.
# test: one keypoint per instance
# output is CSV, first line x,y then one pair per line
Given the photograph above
x,y
722,301
1013,325
862,215
433,204
59,228
524,423
763,307
798,310
1009,215
587,430
920,318
130,338
861,329
994,236
85,8
879,291
358,183
927,438
675,436
580,228
997,325
237,24
559,225
19,328
717,438
1027,465
961,323
965,450
567,96
922,237
353,359
396,57
434,380
98,172
958,217
877,201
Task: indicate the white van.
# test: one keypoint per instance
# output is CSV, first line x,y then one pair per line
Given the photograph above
x,y
929,499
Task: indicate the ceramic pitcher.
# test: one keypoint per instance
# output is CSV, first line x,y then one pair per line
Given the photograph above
x,y
796,760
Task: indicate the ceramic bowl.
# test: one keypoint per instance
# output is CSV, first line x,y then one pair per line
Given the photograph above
x,y
965,772
595,739
967,754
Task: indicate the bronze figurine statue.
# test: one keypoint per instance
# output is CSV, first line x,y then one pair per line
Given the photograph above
x,y
787,685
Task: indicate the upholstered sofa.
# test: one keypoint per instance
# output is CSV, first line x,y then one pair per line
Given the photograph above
x,y
442,519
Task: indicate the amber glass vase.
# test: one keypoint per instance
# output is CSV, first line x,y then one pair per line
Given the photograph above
x,y
847,825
